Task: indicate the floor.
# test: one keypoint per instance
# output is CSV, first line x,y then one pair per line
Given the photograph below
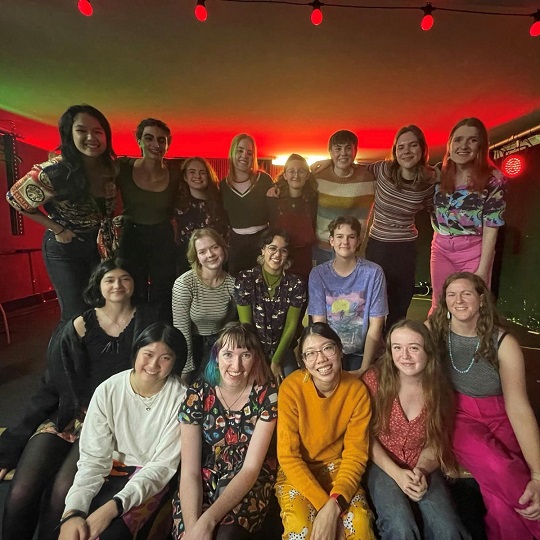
x,y
22,362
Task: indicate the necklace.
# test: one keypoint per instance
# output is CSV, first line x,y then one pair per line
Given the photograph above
x,y
122,321
148,402
229,407
270,285
452,358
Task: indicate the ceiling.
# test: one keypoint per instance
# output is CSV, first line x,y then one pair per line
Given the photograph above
x,y
265,69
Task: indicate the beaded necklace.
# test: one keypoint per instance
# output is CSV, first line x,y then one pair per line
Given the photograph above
x,y
452,358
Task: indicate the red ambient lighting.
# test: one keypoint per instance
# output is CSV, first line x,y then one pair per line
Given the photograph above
x,y
85,7
200,11
513,166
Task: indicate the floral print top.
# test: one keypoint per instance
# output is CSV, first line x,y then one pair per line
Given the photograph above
x,y
465,212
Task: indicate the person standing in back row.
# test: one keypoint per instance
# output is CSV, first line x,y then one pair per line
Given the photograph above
x,y
344,189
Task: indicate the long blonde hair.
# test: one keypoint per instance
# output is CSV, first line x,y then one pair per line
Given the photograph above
x,y
437,390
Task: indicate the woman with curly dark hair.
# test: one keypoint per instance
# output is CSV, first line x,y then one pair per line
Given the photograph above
x,y
198,206
411,427
76,189
496,434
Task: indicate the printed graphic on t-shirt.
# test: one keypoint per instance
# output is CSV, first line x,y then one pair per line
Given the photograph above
x,y
345,314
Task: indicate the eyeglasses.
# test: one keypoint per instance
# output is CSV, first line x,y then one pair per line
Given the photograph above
x,y
274,249
328,351
298,172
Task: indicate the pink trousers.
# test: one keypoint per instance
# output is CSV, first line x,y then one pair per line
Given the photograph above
x,y
449,254
485,444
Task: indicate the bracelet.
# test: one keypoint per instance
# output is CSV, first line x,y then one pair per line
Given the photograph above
x,y
341,502
75,513
59,232
119,505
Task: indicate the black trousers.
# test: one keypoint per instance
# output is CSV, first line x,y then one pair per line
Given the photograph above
x,y
398,261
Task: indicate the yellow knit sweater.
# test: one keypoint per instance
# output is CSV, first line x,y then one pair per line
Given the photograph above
x,y
313,431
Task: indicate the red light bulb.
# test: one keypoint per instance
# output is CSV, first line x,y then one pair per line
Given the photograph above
x,y
427,22
535,29
513,166
316,16
201,13
85,7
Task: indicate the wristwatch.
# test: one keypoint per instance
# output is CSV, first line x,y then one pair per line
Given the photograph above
x,y
341,501
119,505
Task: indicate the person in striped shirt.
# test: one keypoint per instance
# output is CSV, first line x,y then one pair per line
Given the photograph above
x,y
404,186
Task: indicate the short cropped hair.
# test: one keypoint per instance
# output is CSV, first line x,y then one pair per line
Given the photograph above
x,y
343,136
353,223
152,122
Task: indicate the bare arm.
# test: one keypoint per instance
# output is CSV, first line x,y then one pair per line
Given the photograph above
x,y
190,492
522,419
239,485
373,341
319,318
489,239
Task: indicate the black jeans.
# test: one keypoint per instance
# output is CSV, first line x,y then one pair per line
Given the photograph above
x,y
69,267
398,261
151,252
243,251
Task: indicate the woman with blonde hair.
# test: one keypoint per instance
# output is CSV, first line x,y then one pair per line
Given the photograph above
x,y
198,205
468,207
244,198
495,433
411,427
202,298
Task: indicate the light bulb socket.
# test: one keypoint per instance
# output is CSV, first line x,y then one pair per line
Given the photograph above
x,y
428,9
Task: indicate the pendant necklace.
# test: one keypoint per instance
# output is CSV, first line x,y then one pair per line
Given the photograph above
x,y
270,285
122,321
452,358
147,402
229,407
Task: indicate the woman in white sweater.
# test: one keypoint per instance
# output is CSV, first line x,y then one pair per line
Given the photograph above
x,y
129,446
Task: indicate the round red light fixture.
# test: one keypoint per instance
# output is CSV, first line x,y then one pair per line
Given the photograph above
x,y
85,7
427,22
200,12
316,16
513,166
535,29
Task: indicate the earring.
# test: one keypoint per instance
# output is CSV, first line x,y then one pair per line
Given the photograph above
x,y
448,315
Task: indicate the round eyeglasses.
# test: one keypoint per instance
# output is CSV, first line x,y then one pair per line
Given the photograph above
x,y
328,351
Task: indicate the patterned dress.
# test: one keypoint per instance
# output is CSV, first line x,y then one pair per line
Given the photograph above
x,y
226,437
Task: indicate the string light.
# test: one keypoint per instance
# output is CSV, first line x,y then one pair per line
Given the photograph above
x,y
85,7
200,11
316,14
427,19
534,31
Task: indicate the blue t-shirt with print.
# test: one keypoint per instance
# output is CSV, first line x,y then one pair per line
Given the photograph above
x,y
348,302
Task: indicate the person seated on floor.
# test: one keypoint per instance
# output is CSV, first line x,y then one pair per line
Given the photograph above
x,y
411,438
129,447
84,353
495,431
203,297
272,300
322,444
228,418
349,293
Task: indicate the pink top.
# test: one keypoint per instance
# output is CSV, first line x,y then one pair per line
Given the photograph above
x,y
404,440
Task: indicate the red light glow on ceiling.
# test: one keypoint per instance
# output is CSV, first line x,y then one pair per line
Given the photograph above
x,y
513,166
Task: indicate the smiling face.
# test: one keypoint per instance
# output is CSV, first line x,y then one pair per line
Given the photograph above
x,y
243,157
463,301
408,353
88,135
275,255
343,157
296,173
322,359
235,365
153,143
408,150
465,145
196,176
345,241
116,286
209,253
153,364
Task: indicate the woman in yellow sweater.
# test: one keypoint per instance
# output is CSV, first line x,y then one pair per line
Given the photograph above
x,y
323,440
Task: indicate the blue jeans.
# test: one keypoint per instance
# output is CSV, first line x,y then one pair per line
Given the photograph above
x,y
69,267
395,518
352,361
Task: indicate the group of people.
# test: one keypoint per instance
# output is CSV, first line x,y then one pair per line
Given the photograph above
x,y
363,427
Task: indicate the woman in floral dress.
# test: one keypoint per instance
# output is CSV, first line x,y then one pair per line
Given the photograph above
x,y
228,418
